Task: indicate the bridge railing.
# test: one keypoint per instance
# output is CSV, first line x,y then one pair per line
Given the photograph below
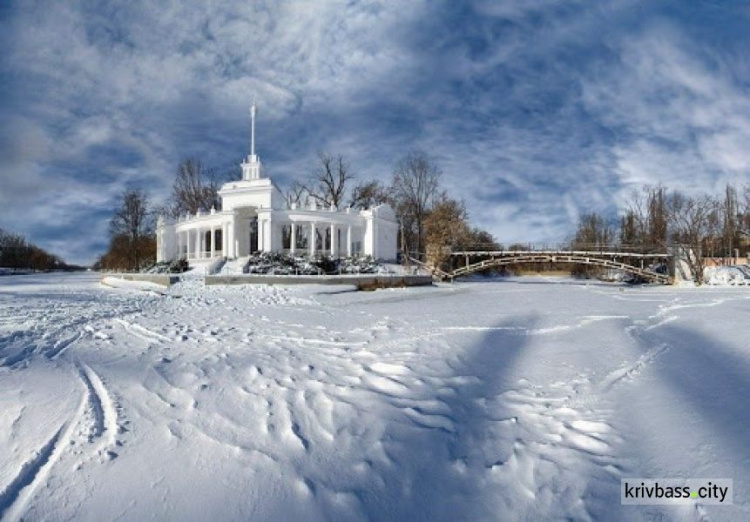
x,y
651,272
559,247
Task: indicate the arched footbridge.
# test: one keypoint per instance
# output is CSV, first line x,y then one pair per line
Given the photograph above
x,y
649,266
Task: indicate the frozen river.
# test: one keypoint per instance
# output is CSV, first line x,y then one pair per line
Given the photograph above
x,y
522,399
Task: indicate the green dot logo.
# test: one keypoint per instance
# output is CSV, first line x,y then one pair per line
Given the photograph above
x,y
694,494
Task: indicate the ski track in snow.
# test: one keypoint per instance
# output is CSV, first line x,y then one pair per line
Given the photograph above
x,y
33,473
95,423
103,408
49,332
292,394
17,493
142,332
63,344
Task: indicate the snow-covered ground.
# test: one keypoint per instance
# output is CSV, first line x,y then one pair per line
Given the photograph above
x,y
733,275
525,399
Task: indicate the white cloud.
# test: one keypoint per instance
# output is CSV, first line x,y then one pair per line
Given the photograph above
x,y
537,111
679,113
142,77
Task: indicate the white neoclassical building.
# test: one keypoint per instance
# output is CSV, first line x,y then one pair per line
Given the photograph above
x,y
255,217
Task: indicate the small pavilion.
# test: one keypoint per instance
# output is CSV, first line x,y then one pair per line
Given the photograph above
x,y
254,217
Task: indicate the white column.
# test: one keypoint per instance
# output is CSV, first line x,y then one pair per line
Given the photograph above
x,y
187,237
334,246
198,243
349,241
293,240
312,239
213,242
269,236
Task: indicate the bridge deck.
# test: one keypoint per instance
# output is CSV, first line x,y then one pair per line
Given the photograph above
x,y
616,260
584,253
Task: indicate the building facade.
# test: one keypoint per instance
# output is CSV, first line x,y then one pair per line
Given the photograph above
x,y
255,217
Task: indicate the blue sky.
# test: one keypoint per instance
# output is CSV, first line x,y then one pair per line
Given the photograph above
x,y
536,110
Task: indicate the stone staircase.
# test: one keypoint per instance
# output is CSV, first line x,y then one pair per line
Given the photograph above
x,y
234,266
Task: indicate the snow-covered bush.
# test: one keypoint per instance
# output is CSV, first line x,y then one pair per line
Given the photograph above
x,y
726,276
176,266
276,263
359,265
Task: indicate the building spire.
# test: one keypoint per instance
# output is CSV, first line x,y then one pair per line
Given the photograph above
x,y
252,125
251,168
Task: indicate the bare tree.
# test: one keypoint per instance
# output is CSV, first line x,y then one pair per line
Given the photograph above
x,y
369,194
656,198
195,188
132,223
730,221
593,232
629,230
744,218
14,250
645,224
415,186
446,226
482,240
692,223
328,183
447,229
295,195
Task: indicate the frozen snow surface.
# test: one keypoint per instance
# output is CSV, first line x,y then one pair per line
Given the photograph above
x,y
519,399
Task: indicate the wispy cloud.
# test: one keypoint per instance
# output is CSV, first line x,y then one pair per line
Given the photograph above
x,y
536,110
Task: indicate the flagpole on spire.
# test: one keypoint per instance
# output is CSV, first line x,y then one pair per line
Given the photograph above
x,y
252,132
251,167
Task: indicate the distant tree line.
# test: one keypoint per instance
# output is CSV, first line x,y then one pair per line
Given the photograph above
x,y
696,227
19,254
